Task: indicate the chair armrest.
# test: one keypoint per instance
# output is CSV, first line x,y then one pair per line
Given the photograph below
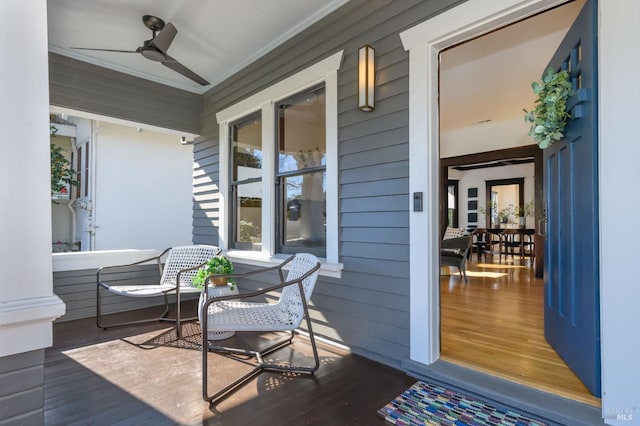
x,y
460,243
253,272
140,262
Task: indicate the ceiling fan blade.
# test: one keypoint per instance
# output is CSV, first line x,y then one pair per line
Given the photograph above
x,y
181,69
104,50
164,38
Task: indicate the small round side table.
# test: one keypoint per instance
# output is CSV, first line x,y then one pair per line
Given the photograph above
x,y
215,291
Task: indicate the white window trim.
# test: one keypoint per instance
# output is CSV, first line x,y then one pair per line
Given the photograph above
x,y
424,43
325,71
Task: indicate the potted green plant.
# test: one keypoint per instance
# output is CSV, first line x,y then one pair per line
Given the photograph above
x,y
527,210
550,116
215,265
524,211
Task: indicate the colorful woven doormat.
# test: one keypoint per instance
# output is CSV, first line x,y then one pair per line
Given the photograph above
x,y
428,404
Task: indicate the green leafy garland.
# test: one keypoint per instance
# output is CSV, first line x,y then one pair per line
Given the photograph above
x,y
550,116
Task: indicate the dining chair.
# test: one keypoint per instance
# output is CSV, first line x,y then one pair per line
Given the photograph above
x,y
494,242
529,243
512,240
480,241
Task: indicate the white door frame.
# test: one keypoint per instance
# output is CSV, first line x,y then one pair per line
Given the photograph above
x,y
424,43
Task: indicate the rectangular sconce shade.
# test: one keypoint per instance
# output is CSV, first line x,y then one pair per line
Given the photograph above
x,y
366,78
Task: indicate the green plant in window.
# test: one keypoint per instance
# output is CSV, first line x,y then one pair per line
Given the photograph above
x,y
248,231
550,116
61,172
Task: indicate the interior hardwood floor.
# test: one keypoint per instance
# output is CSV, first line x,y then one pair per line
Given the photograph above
x,y
495,324
144,375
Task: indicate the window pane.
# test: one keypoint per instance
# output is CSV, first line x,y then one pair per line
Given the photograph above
x,y
246,186
301,133
305,223
246,149
248,216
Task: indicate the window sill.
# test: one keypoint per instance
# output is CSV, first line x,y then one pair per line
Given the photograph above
x,y
256,258
81,260
74,261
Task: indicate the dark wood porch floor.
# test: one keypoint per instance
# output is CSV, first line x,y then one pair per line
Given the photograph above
x,y
143,375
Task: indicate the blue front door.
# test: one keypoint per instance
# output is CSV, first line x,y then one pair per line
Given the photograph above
x,y
572,308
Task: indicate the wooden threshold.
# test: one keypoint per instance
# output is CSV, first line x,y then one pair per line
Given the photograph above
x,y
495,324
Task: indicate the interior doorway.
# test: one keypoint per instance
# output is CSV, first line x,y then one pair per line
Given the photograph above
x,y
488,161
499,296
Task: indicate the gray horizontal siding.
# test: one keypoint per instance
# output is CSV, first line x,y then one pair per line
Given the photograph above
x,y
21,388
86,87
368,308
77,289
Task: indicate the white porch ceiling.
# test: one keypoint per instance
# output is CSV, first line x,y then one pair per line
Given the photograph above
x,y
215,39
484,79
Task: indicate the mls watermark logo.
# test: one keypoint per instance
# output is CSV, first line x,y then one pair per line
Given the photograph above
x,y
622,414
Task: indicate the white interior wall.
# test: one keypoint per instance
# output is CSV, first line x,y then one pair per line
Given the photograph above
x,y
477,179
143,187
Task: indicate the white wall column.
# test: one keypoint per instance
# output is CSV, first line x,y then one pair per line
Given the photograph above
x,y
619,89
27,303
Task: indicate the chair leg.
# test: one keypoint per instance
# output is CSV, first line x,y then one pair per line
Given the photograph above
x,y
260,366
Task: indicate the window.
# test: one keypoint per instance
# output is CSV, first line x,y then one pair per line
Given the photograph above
x,y
301,173
504,199
82,170
245,184
279,169
452,203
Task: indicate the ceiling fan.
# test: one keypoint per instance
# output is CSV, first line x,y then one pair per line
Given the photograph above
x,y
156,48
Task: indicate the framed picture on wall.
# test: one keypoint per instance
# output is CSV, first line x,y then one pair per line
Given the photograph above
x,y
472,205
472,192
472,217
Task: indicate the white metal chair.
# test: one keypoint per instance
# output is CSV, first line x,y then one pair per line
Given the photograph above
x,y
230,313
181,265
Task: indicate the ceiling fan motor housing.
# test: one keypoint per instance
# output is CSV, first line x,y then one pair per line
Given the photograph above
x,y
152,53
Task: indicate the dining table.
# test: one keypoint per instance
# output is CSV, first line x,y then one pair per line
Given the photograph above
x,y
507,240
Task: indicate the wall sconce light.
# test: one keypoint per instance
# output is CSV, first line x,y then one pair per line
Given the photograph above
x,y
366,78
